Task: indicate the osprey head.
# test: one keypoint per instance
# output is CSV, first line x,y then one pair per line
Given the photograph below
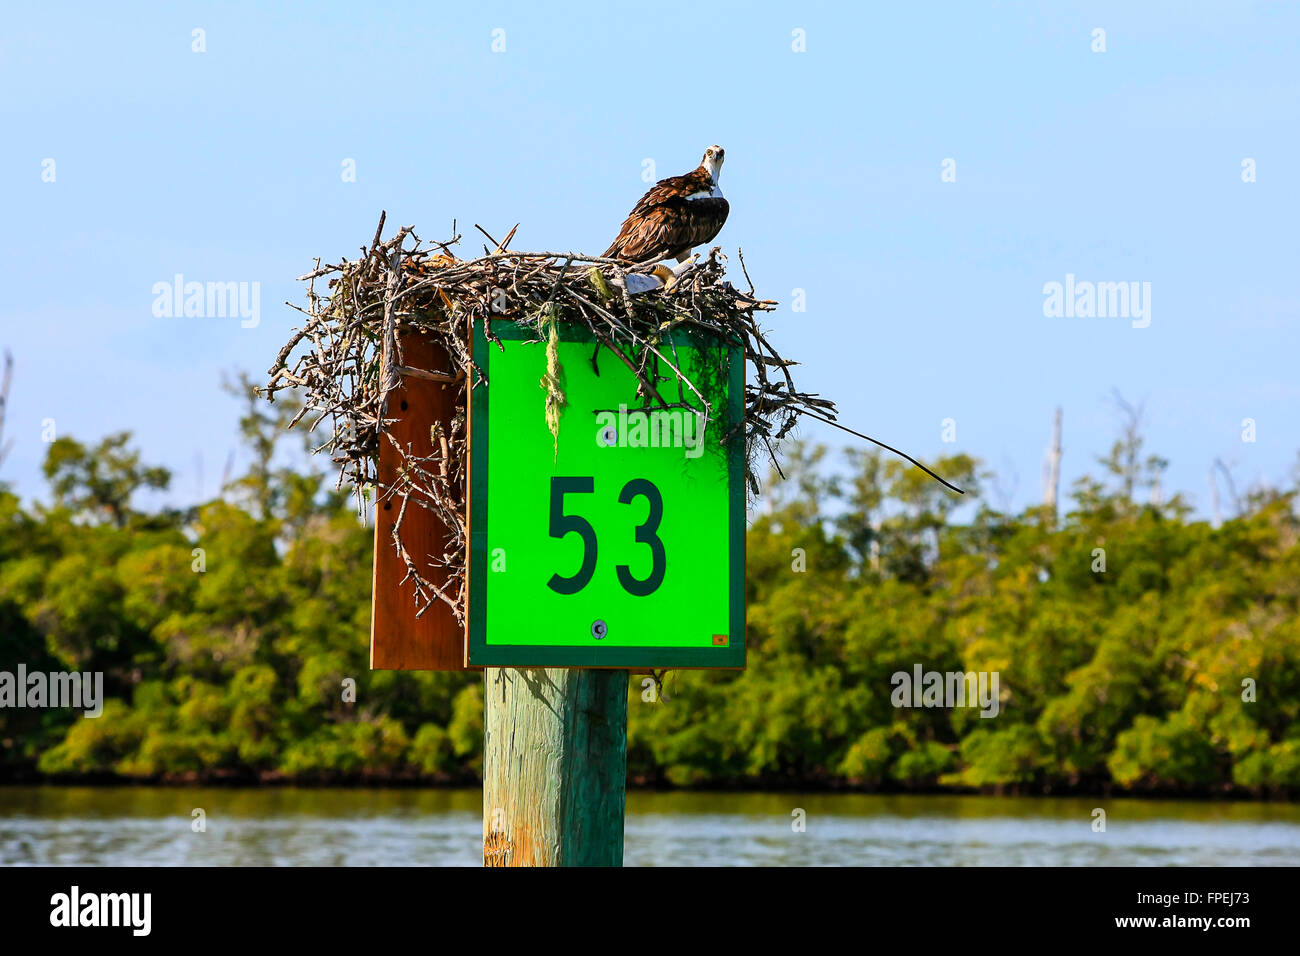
x,y
712,161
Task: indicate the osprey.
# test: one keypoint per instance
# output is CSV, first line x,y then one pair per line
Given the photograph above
x,y
676,215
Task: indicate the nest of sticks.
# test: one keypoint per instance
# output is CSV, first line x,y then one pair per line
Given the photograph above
x,y
354,359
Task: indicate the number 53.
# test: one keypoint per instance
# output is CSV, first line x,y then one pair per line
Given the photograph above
x,y
562,524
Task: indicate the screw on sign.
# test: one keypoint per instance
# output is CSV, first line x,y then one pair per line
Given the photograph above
x,y
599,630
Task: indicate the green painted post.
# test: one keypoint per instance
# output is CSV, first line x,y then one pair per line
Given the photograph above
x,y
554,766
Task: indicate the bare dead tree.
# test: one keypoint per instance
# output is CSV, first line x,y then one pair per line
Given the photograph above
x,y
1216,514
1052,466
6,380
1125,454
1216,517
1005,484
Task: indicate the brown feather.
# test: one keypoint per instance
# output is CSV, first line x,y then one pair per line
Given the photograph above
x,y
665,224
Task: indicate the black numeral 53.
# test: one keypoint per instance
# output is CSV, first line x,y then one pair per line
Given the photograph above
x,y
562,524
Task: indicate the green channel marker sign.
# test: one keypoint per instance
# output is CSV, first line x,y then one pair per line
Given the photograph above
x,y
622,543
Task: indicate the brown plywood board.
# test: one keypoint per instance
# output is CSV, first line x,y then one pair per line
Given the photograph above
x,y
398,639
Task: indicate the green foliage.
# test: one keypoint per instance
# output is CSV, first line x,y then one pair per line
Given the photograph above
x,y
1131,676
431,750
465,731
95,746
225,634
869,758
923,763
997,758
99,482
377,746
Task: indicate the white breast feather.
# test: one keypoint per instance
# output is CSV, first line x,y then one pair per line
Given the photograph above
x,y
715,193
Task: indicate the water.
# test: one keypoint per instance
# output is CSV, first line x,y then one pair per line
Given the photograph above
x,y
129,826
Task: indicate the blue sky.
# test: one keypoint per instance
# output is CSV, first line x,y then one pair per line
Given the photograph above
x,y
924,298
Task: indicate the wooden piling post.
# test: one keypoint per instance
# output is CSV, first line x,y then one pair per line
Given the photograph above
x,y
554,766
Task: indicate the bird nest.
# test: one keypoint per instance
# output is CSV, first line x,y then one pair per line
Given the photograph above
x,y
355,358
